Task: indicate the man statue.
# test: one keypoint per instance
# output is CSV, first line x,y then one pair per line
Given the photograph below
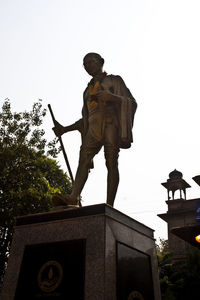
x,y
107,120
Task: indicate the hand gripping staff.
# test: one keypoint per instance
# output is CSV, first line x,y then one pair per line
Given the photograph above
x,y
62,146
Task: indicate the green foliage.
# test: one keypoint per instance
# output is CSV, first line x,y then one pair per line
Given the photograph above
x,y
22,131
178,280
28,176
165,269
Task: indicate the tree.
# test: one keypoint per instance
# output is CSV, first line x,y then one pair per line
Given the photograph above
x,y
165,269
28,176
179,280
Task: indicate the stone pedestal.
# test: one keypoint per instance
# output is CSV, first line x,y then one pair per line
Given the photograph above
x,y
88,253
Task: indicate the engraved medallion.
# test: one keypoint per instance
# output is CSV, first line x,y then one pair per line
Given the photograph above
x,y
50,276
135,295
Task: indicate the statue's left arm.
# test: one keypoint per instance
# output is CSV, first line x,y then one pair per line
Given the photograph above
x,y
127,110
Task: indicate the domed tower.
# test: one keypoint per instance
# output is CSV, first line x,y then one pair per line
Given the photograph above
x,y
174,183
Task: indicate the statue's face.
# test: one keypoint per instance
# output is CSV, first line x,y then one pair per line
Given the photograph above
x,y
93,65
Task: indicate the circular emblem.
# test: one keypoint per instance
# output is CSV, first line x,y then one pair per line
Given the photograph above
x,y
135,295
50,276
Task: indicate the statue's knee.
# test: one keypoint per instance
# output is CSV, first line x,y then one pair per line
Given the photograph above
x,y
85,160
111,160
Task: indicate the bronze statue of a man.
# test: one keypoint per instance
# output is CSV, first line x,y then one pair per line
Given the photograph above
x,y
107,120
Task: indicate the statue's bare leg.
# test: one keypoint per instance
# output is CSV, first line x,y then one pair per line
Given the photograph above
x,y
82,172
86,156
111,156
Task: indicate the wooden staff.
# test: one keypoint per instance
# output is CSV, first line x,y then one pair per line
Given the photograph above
x,y
62,146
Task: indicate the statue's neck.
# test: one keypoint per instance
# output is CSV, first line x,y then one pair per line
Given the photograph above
x,y
98,77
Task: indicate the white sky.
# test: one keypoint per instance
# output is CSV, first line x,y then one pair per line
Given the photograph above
x,y
153,44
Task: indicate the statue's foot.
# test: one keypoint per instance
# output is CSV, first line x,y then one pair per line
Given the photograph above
x,y
70,200
59,200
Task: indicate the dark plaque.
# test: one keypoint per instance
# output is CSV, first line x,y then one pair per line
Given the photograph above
x,y
134,276
52,271
198,211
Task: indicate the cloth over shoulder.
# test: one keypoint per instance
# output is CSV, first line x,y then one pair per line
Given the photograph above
x,y
127,110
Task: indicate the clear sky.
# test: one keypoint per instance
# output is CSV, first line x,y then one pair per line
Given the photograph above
x,y
153,44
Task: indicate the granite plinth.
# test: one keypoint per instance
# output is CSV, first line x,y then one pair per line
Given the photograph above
x,y
104,239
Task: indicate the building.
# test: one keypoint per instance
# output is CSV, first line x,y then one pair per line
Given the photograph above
x,y
182,217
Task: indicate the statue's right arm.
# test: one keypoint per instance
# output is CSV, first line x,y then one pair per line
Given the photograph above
x,y
78,125
59,129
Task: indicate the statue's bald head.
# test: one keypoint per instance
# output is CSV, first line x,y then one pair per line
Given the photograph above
x,y
93,55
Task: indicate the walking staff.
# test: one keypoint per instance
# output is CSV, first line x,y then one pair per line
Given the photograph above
x,y
62,146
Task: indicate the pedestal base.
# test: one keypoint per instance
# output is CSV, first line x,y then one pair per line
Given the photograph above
x,y
89,253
